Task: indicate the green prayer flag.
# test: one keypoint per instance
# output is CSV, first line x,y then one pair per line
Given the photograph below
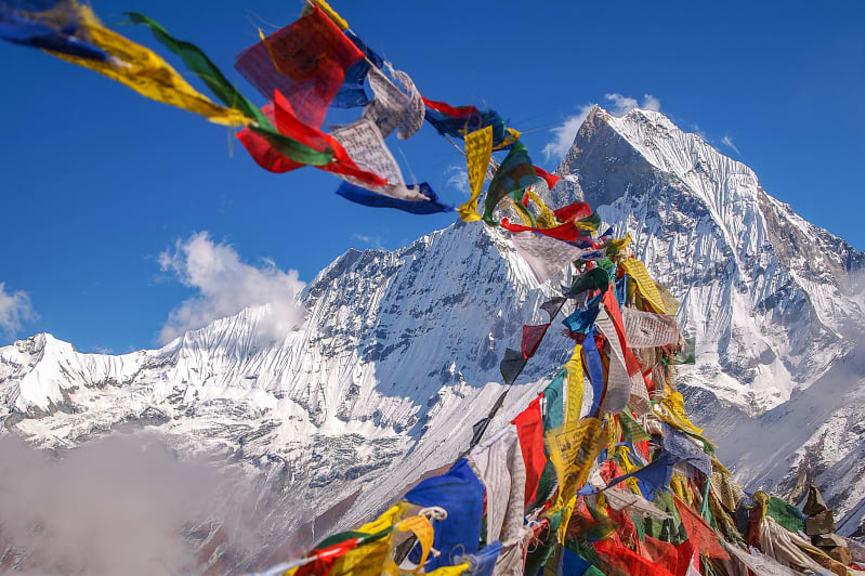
x,y
515,173
786,515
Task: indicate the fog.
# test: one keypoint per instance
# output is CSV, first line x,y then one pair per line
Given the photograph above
x,y
124,505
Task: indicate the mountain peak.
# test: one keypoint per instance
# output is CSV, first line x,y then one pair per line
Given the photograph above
x,y
759,285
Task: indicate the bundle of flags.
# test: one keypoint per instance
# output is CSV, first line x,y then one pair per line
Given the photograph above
x,y
303,70
603,472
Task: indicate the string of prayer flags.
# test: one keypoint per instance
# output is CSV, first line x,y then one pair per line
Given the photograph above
x,y
331,13
619,559
144,71
479,150
306,61
197,61
52,25
639,395
461,494
673,412
364,143
326,557
567,232
582,320
618,390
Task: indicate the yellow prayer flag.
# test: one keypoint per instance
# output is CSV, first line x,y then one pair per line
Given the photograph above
x,y
511,136
479,150
645,285
574,369
144,71
566,517
370,559
422,528
332,14
546,219
573,447
673,413
455,570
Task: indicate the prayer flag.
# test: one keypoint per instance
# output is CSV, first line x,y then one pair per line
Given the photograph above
x,y
306,61
479,149
461,494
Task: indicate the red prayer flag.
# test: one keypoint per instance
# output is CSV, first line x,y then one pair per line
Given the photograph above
x,y
550,179
448,110
532,336
567,231
700,534
660,552
571,212
530,430
306,61
616,558
615,313
325,557
282,115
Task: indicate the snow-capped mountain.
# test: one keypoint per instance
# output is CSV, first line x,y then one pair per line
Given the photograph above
x,y
399,352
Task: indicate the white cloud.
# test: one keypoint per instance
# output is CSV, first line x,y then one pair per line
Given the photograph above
x,y
729,142
457,178
226,285
564,134
651,103
371,241
14,310
621,105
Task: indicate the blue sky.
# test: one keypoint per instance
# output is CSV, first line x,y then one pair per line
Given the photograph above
x,y
108,200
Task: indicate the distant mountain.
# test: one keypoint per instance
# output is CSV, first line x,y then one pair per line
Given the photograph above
x,y
399,353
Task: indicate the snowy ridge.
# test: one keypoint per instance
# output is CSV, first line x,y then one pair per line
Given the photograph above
x,y
399,352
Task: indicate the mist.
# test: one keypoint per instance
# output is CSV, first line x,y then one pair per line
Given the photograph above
x,y
125,505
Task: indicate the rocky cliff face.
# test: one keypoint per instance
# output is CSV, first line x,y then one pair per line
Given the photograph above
x,y
399,352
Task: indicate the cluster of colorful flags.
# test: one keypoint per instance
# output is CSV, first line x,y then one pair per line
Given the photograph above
x,y
303,70
603,472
